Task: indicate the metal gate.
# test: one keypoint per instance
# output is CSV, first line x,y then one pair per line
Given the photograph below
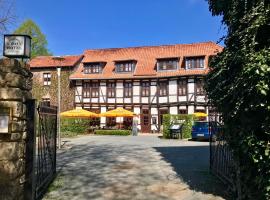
x,y
42,130
221,159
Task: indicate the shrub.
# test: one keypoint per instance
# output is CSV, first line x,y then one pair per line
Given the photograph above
x,y
112,132
74,127
169,119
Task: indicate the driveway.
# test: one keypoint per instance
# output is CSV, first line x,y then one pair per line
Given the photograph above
x,y
139,168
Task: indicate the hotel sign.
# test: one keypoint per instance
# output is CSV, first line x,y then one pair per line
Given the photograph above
x,y
17,46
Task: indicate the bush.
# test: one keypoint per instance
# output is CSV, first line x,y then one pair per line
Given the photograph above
x,y
74,127
112,132
168,120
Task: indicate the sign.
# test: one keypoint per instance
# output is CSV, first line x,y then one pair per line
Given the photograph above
x,y
17,46
5,115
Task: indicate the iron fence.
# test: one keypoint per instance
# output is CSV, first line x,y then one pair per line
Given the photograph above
x,y
221,157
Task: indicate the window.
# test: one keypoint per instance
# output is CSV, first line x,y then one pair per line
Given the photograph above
x,y
111,89
182,111
127,89
125,66
167,64
86,89
194,62
93,68
46,101
145,89
163,88
95,89
46,78
182,87
199,87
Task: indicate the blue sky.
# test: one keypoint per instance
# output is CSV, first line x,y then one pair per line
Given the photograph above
x,y
71,26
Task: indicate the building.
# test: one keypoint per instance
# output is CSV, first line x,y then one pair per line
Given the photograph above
x,y
44,69
151,81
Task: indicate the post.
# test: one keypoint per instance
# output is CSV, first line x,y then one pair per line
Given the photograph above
x,y
59,106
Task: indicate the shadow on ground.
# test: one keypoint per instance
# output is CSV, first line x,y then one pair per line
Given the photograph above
x,y
191,164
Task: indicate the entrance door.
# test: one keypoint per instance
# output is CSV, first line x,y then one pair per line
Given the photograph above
x,y
145,121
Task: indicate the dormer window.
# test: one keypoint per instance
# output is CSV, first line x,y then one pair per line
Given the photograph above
x,y
93,68
167,64
125,66
194,62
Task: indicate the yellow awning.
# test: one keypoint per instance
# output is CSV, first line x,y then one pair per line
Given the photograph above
x,y
118,112
78,113
200,114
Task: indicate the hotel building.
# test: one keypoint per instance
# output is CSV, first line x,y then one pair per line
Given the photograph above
x,y
150,81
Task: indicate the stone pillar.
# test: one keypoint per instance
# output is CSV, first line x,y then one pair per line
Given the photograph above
x,y
15,90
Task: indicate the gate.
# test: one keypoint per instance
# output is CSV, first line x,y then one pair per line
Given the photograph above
x,y
42,124
221,159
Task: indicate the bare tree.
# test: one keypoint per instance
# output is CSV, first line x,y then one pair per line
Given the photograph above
x,y
7,15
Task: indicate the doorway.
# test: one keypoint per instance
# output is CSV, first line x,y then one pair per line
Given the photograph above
x,y
145,121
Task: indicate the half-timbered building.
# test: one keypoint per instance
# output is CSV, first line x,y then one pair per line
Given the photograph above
x,y
150,81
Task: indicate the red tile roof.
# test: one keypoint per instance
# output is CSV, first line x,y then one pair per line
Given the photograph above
x,y
49,61
146,58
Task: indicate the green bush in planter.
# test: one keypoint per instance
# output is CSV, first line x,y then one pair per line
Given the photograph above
x,y
112,132
73,127
169,119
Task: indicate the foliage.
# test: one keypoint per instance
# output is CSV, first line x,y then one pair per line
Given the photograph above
x,y
168,120
238,85
74,127
113,132
39,42
67,92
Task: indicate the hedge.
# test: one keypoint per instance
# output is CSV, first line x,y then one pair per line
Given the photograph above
x,y
169,119
112,132
74,127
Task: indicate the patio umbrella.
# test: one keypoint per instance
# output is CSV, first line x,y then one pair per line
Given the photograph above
x,y
78,113
118,112
200,114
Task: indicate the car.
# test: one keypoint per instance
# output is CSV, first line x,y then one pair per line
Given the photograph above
x,y
201,130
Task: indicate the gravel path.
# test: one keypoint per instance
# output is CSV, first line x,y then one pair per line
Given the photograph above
x,y
139,168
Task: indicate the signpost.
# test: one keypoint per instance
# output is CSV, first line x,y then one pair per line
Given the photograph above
x,y
17,46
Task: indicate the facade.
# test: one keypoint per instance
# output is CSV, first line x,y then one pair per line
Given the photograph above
x,y
150,81
44,69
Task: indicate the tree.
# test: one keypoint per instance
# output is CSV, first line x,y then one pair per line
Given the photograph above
x,y
7,16
39,42
238,85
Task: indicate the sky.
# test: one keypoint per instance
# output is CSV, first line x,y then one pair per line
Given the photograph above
x,y
71,26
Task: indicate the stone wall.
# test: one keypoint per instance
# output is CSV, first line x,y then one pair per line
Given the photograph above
x,y
15,90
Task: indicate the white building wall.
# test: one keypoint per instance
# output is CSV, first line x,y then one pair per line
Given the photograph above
x,y
173,91
102,92
103,119
191,89
173,110
153,92
154,114
137,111
190,109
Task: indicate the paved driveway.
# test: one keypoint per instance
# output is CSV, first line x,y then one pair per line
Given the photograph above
x,y
139,168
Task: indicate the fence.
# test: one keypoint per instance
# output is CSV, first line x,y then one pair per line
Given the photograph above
x,y
221,159
43,130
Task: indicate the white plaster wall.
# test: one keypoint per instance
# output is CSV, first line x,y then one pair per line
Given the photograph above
x,y
173,87
127,100
154,111
103,119
78,90
78,99
173,110
102,93
191,97
119,100
136,90
163,99
172,98
200,107
182,98
136,99
200,98
94,100
78,107
119,89
111,100
190,109
86,100
144,99
137,110
182,107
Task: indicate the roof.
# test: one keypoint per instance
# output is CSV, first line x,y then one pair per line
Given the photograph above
x,y
51,61
146,58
